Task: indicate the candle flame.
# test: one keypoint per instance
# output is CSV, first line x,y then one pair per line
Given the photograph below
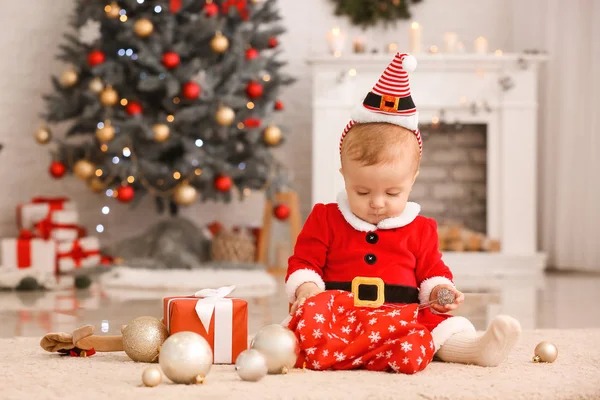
x,y
415,25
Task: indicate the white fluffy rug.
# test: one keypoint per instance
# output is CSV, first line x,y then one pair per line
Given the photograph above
x,y
248,283
27,372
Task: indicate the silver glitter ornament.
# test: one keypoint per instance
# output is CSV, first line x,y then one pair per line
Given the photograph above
x,y
186,357
251,365
280,347
143,337
445,297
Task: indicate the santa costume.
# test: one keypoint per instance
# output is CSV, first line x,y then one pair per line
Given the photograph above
x,y
397,260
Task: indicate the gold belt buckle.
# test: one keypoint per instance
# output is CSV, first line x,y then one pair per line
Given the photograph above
x,y
361,280
387,101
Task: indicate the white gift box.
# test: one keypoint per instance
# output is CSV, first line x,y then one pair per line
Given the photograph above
x,y
31,213
64,226
32,254
81,253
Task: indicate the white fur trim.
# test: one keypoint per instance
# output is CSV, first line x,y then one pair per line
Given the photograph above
x,y
299,277
411,211
428,284
449,327
364,115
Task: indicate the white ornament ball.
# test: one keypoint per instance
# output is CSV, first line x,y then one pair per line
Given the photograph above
x,y
151,376
280,347
186,357
409,63
251,365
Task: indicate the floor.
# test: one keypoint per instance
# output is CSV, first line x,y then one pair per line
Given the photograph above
x,y
566,301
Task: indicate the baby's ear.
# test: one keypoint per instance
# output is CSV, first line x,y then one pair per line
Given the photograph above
x,y
416,174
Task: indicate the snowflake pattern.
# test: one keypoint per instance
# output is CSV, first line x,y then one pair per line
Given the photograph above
x,y
389,354
317,333
302,338
339,356
431,344
341,309
406,347
316,365
358,327
319,318
422,332
352,319
346,329
423,350
311,303
405,360
403,323
379,355
311,350
391,328
357,361
325,353
394,366
301,324
412,331
375,337
373,321
419,360
394,313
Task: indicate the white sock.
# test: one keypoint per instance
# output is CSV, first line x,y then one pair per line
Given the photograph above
x,y
487,350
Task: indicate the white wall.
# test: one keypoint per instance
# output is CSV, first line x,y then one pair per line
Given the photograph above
x,y
29,42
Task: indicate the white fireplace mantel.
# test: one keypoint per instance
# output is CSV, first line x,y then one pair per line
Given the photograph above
x,y
504,91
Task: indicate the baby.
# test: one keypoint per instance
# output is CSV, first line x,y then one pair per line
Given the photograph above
x,y
365,269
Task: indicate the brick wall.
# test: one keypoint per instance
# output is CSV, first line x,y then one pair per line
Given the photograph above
x,y
452,181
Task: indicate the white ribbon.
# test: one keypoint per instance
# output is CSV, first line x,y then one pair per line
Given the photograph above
x,y
214,300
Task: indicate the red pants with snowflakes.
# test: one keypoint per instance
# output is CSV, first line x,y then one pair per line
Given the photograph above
x,y
335,334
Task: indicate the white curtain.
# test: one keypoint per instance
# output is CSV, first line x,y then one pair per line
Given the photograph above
x,y
569,140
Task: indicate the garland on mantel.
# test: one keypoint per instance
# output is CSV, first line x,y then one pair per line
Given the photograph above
x,y
367,13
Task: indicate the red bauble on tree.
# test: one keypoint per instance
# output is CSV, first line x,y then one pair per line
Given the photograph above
x,y
190,90
95,57
134,108
281,212
251,53
223,183
57,169
254,90
273,42
211,9
279,105
125,194
170,59
252,122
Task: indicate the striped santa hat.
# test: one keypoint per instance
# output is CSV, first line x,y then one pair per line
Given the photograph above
x,y
390,100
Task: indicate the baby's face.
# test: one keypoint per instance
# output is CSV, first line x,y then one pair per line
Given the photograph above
x,y
379,191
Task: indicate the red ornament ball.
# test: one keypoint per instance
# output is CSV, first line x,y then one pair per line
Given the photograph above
x,y
133,108
254,90
279,105
281,212
95,57
211,9
125,194
57,169
170,59
273,42
223,183
251,53
191,90
252,122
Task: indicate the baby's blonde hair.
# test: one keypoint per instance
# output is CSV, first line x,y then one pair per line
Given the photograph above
x,y
377,143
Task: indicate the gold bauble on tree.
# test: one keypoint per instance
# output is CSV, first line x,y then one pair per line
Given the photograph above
x,y
96,185
113,10
84,169
185,194
43,135
225,116
109,97
143,27
220,43
96,85
272,135
106,133
69,78
161,132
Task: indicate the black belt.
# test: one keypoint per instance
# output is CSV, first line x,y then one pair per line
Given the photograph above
x,y
393,293
389,103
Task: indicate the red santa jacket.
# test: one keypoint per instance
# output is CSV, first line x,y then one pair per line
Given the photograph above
x,y
337,246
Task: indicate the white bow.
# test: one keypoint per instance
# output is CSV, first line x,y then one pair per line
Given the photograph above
x,y
208,299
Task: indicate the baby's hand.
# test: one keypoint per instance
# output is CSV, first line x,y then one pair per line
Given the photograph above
x,y
304,291
459,297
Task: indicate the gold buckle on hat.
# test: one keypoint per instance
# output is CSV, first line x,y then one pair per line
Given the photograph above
x,y
361,280
387,101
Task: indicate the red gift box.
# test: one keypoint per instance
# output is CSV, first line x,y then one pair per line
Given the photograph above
x,y
221,320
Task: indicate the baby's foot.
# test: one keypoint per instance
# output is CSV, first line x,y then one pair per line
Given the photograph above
x,y
487,350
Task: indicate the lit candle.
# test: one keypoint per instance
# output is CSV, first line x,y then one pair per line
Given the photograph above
x,y
460,47
481,45
392,48
450,42
335,37
359,45
415,37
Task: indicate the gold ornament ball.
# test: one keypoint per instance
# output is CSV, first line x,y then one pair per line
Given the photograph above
x,y
219,44
545,352
186,357
279,346
143,27
143,337
151,377
225,116
185,194
109,97
96,185
43,135
69,78
96,85
106,133
113,10
161,132
272,135
84,169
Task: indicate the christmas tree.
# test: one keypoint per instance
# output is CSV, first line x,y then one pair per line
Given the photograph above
x,y
170,99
